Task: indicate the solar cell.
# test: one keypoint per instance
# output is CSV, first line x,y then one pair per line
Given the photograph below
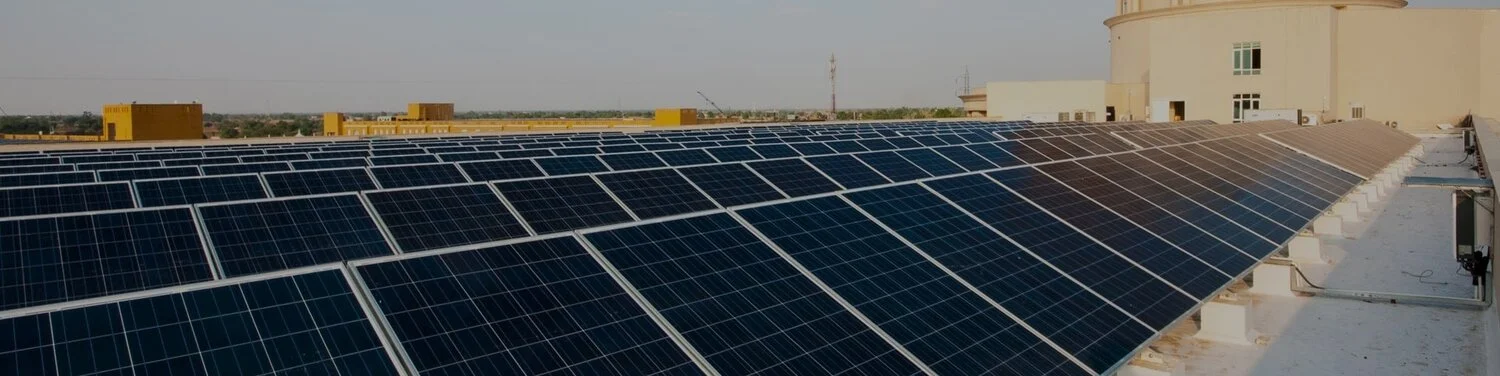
x,y
740,304
562,204
200,161
921,306
847,171
876,144
147,173
576,151
655,193
794,177
303,183
1063,311
278,234
23,201
74,159
632,161
904,142
501,170
731,184
538,307
423,219
514,154
196,190
417,175
686,157
245,168
846,147
1152,301
62,258
571,165
48,178
304,324
346,154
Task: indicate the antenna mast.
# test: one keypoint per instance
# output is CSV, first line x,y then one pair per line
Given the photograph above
x,y
833,91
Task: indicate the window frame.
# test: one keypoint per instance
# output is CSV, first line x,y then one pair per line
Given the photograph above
x,y
1242,102
1247,59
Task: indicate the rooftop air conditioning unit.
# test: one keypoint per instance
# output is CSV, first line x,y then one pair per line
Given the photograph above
x,y
1310,119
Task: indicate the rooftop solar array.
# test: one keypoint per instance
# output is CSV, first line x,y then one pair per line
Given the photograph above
x,y
869,248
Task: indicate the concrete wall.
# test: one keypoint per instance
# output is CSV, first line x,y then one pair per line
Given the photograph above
x,y
1418,67
1191,60
1489,63
1129,100
1013,100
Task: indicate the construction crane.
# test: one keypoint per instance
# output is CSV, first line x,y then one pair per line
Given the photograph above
x,y
711,103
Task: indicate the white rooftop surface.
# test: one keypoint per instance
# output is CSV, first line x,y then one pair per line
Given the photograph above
x,y
1408,230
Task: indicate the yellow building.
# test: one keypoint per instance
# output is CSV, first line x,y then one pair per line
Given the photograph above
x,y
142,122
676,116
428,112
1332,59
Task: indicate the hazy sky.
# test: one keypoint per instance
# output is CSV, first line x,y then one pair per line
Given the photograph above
x,y
69,56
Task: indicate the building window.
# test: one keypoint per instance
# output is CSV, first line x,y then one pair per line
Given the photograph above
x,y
1247,59
1124,6
1244,102
1357,112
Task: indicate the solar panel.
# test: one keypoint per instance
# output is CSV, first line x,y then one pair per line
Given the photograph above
x,y
304,324
876,144
245,168
199,161
539,307
893,166
1063,311
1228,208
1252,199
571,165
438,217
1152,301
54,199
403,160
775,151
501,170
274,158
734,154
35,169
63,258
1184,234
303,183
920,305
742,306
794,177
49,178
846,147
964,157
632,161
813,148
731,184
847,171
279,234
417,175
686,157
197,190
1173,265
562,204
147,173
513,154
74,159
347,154
319,164
1295,186
931,161
655,193
470,156
117,165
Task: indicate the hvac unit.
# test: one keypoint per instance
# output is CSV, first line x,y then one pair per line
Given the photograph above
x,y
1310,119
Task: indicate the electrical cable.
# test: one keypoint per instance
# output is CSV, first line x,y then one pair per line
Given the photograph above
x,y
1304,278
1422,278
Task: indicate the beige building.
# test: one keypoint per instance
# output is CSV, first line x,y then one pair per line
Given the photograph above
x,y
1335,59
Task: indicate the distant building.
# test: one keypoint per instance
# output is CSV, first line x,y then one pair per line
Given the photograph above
x,y
1332,59
144,122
